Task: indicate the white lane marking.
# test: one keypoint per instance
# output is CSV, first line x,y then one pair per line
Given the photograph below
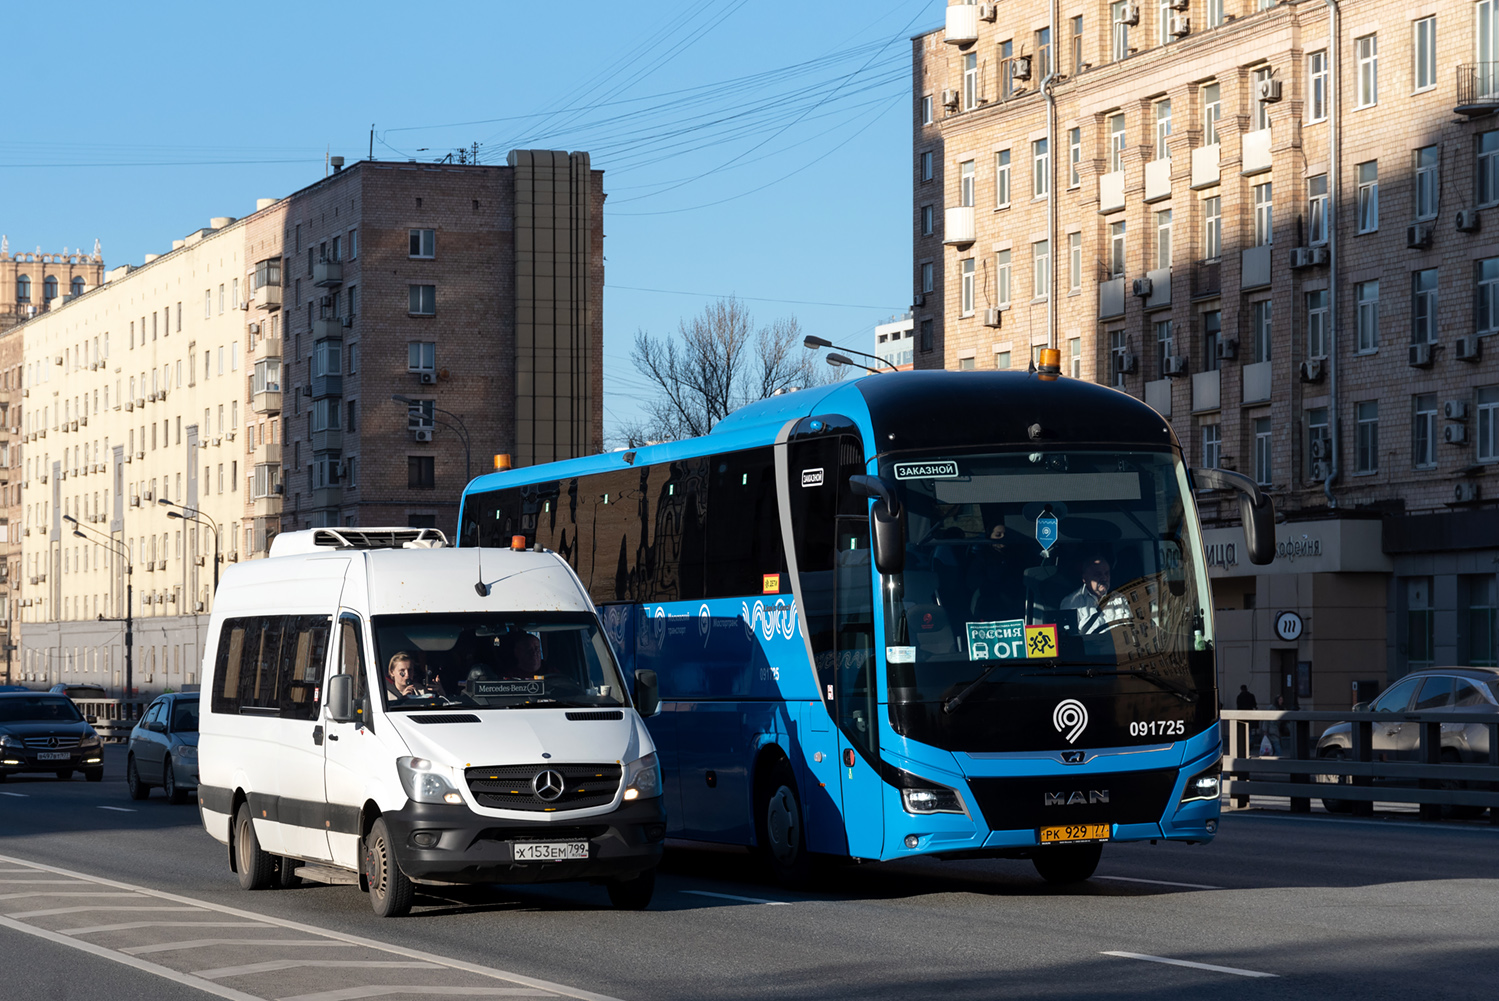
x,y
206,986
386,947
1160,882
353,993
89,910
17,795
275,965
205,943
133,925
1196,966
41,882
61,893
742,900
118,809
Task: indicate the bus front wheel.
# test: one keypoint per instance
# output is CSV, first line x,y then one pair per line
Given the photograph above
x,y
783,836
1067,863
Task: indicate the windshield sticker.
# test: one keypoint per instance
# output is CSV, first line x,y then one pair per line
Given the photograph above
x,y
770,583
812,477
996,640
926,470
1046,530
1040,641
491,689
900,654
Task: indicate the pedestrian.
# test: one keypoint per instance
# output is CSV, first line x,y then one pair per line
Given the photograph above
x,y
1278,728
1246,699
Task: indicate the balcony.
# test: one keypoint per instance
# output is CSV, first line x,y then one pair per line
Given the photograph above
x,y
269,347
1255,263
269,453
1158,180
1160,288
1110,298
327,385
1111,192
268,402
326,496
1205,390
328,274
1205,166
1207,279
1256,382
1256,152
1158,396
266,507
329,327
268,297
962,24
330,440
1477,89
957,223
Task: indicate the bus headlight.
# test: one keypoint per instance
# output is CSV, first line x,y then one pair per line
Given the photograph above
x,y
1205,785
931,799
643,778
425,783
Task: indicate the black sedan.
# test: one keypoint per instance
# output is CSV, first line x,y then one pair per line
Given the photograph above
x,y
42,732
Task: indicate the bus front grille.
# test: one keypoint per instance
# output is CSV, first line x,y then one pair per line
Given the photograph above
x,y
536,787
1033,801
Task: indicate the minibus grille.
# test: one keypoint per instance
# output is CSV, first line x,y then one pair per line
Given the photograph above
x,y
444,718
596,714
514,787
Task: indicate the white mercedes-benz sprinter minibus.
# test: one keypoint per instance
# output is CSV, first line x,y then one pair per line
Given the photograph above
x,y
381,709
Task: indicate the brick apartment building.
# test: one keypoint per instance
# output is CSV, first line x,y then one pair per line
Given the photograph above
x,y
182,413
1274,224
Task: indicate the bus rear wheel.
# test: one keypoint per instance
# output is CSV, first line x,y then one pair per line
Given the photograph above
x,y
782,831
1061,864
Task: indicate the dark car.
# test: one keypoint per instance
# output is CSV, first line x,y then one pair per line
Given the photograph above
x,y
42,732
88,693
163,748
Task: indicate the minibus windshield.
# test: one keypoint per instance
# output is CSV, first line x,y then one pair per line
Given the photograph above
x,y
502,660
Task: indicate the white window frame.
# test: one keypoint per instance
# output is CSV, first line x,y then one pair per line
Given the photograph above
x,y
1486,419
926,165
928,220
1486,174
1486,309
1040,168
1317,313
1366,78
967,174
1075,352
1163,27
1163,239
1264,215
1118,249
1427,163
1366,304
1366,437
1212,228
926,109
1118,348
1264,468
425,242
1424,287
1262,329
1212,444
1002,278
1075,156
928,280
1119,31
1075,262
1212,112
1117,138
1317,79
1424,431
1163,129
1041,269
1043,53
966,270
1316,210
1367,207
1424,54
970,81
1002,179
419,302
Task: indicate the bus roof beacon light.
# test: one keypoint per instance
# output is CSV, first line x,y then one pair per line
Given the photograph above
x,y
502,462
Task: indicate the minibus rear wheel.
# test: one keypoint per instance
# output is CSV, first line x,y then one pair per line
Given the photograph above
x,y
391,892
255,867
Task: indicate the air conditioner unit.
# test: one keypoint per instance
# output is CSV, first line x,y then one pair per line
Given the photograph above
x,y
33,580
428,378
918,299
135,502
1228,350
1319,470
423,434
1420,356
988,11
1301,257
199,560
1130,15
1174,365
1125,362
43,477
229,435
1455,410
140,401
149,495
217,442
140,453
1020,68
129,406
245,304
992,317
254,327
129,457
1269,91
1142,287
58,359
1468,348
348,321
1321,448
1312,370
1455,434
1320,255
1465,493
1467,220
1418,237
950,99
162,395
150,397
1181,26
1181,4
198,606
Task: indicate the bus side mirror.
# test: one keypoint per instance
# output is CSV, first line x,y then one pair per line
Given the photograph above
x,y
1256,510
887,533
341,698
647,693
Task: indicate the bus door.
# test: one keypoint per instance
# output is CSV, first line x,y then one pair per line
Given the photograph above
x,y
857,701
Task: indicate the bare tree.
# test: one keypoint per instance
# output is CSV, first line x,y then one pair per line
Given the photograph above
x,y
717,363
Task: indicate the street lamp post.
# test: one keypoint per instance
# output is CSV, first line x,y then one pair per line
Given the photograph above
x,y
122,553
414,409
813,342
195,515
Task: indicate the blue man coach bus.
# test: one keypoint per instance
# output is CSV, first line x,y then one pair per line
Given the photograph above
x,y
962,615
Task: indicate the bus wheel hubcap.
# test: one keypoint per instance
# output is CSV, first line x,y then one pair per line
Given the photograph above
x,y
780,825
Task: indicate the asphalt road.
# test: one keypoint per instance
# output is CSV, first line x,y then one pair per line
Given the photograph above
x,y
1327,907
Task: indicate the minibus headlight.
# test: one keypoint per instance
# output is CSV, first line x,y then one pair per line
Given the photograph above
x,y
425,782
931,799
1205,785
643,778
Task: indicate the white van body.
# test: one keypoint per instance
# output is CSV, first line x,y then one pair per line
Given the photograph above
x,y
315,785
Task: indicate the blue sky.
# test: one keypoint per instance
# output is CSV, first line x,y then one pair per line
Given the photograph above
x,y
754,147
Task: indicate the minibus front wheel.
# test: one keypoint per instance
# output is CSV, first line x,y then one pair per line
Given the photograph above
x,y
391,892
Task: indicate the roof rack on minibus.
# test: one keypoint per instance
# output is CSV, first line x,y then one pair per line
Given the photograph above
x,y
321,539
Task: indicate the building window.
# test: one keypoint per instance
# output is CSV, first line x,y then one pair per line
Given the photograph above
x,y
1259,110
1116,249
927,276
1074,156
1262,314
1316,324
1118,12
965,184
1316,210
1212,335
1316,72
1368,196
1077,44
1043,53
423,243
1318,442
970,81
420,472
1164,346
1488,168
1075,350
1212,110
1366,51
1118,353
1002,278
1116,142
1262,464
1041,268
926,165
1486,310
1212,228
1212,445
1006,70
421,356
1366,437
1040,169
1424,53
423,300
928,220
967,287
1420,623
926,109
1163,239
1366,295
926,335
1162,129
1424,306
1075,262
1483,624
1264,215
23,288
1163,22
1002,179
1428,191
1424,431
1486,403
967,364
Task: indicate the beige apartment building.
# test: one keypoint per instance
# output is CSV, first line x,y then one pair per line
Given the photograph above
x,y
180,415
1274,223
31,283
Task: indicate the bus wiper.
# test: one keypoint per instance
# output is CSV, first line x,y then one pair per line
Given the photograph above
x,y
952,704
1159,680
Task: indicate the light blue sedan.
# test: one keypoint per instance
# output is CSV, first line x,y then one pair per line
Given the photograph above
x,y
163,748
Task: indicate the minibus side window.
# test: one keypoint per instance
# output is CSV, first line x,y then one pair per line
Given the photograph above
x,y
351,661
227,667
303,654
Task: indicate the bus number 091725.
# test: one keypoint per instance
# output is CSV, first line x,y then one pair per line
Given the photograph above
x,y
1159,728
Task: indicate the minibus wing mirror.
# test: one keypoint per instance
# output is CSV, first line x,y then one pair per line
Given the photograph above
x,y
887,529
341,698
647,693
1256,510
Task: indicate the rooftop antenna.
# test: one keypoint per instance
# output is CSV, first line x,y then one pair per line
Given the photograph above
x,y
481,588
372,140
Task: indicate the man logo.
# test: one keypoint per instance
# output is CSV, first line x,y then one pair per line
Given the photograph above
x,y
1070,717
1075,798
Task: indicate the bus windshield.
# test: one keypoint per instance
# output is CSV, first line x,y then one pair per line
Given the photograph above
x,y
1034,574
495,661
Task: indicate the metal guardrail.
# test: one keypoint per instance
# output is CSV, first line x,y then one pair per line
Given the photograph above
x,y
113,718
1433,783
1477,88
